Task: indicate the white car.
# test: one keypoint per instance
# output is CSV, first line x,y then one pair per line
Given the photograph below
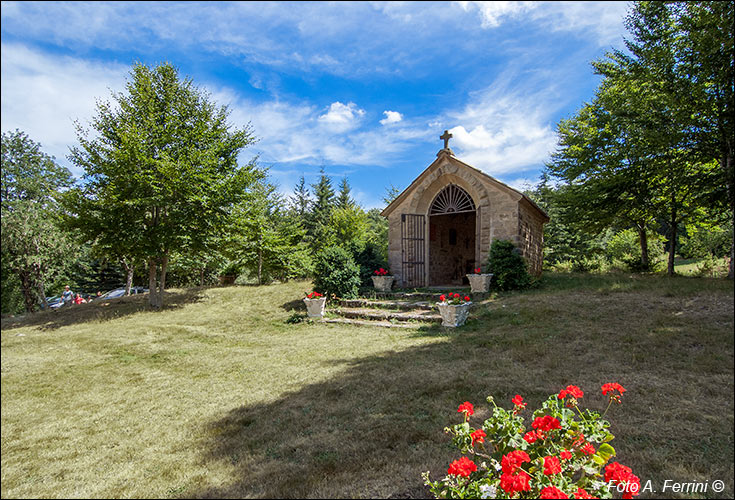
x,y
120,292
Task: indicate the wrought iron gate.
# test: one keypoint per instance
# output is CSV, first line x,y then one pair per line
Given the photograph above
x,y
413,231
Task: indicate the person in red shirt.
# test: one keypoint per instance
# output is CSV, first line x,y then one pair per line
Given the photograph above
x,y
79,300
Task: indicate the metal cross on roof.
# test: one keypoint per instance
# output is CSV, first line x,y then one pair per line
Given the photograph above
x,y
445,137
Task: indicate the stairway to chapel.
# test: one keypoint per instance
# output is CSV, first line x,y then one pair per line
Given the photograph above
x,y
390,309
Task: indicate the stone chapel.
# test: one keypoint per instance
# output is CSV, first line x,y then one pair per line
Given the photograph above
x,y
441,226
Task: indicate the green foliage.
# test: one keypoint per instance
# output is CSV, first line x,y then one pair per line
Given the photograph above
x,y
34,246
706,240
335,273
624,248
265,239
509,268
161,172
637,153
369,259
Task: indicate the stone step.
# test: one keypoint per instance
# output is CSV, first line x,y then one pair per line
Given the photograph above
x,y
384,324
418,296
403,305
378,315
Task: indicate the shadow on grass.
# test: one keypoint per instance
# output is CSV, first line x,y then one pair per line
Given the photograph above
x,y
294,305
101,311
368,433
373,428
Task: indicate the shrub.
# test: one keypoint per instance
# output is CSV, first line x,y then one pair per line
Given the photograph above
x,y
509,268
556,453
336,273
369,258
624,247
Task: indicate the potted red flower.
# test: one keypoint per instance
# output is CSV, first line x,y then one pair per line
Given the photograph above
x,y
315,303
382,280
454,309
479,281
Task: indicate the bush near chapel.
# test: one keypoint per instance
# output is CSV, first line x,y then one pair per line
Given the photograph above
x,y
336,273
509,268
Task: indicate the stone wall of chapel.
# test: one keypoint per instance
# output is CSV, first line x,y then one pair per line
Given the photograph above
x,y
531,237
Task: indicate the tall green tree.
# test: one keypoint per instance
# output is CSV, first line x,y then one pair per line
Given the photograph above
x,y
344,199
707,52
635,152
301,199
34,247
165,156
319,230
264,239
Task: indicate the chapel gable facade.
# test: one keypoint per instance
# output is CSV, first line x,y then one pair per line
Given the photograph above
x,y
441,227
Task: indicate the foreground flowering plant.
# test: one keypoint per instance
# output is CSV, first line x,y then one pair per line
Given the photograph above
x,y
563,453
381,272
314,295
453,298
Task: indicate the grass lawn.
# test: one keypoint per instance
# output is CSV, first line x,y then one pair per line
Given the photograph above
x,y
217,396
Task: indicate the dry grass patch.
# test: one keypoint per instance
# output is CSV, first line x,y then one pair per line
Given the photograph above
x,y
219,397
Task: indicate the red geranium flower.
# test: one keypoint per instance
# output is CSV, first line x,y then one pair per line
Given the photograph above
x,y
467,408
552,492
466,298
462,467
622,474
565,455
314,295
442,298
531,437
546,423
612,387
571,390
518,402
580,493
513,483
478,436
477,271
513,460
551,465
588,449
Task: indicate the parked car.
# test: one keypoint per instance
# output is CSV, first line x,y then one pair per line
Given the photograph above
x,y
120,292
53,302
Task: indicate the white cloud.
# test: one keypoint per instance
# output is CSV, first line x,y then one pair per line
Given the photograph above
x,y
42,95
492,13
508,127
342,117
391,117
603,20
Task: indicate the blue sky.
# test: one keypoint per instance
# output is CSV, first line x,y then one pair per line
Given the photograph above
x,y
363,90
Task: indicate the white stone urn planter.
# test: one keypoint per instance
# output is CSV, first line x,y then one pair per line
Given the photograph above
x,y
315,307
480,283
383,283
454,315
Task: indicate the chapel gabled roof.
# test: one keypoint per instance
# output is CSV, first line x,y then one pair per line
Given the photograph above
x,y
449,155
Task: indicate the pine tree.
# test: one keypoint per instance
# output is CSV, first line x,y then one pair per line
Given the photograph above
x,y
301,199
344,200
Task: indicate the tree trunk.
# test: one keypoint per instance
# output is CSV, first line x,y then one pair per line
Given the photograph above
x,y
672,246
129,271
42,292
153,298
643,239
201,276
260,263
162,283
27,288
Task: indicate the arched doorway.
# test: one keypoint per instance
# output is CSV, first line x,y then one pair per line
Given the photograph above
x,y
451,236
